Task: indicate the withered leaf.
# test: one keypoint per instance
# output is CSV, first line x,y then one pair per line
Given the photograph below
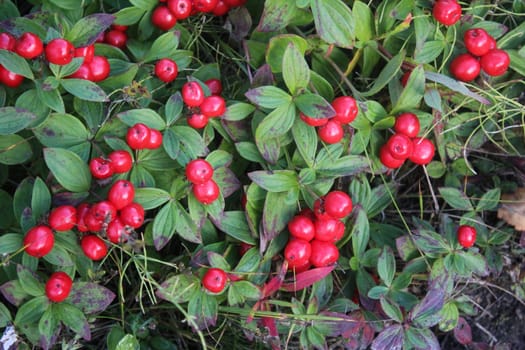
x,y
512,209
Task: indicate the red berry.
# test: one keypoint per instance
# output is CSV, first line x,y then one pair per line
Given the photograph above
x,y
121,161
213,106
465,67
162,18
220,9
244,247
477,41
9,78
313,121
405,77
345,108
329,230
121,194
117,232
166,70
320,210
29,46
199,171
116,38
332,132
63,218
83,72
39,241
423,151
214,280
181,9
206,192
155,139
400,146
93,223
204,5
323,253
58,286
100,168
297,252
337,204
197,120
214,85
132,215
119,27
88,52
93,247
104,211
408,124
388,160
495,62
82,211
59,51
466,236
447,12
235,3
301,227
100,68
192,94
138,136
7,42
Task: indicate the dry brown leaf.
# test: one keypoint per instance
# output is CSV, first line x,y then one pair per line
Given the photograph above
x,y
512,209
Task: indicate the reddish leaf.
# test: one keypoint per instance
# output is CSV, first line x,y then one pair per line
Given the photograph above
x,y
390,338
274,283
307,278
463,332
91,297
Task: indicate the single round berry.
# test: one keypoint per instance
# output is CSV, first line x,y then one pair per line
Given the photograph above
x,y
117,232
466,236
9,78
495,62
332,132
302,227
447,12
465,67
214,280
59,51
119,27
407,124
104,211
297,252
198,171
7,41
121,161
323,253
39,241
423,151
162,18
477,41
388,160
214,85
220,9
116,38
121,194
94,247
29,46
328,230
138,136
181,9
204,5
100,68
197,120
82,211
63,218
166,70
192,94
100,168
337,204
155,139
132,215
313,121
213,106
207,192
93,224
346,109
58,286
400,146
83,72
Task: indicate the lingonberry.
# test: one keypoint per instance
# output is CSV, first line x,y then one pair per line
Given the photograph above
x,y
337,204
94,247
9,78
7,42
301,226
116,38
197,120
220,9
345,109
388,160
166,70
400,146
39,241
59,51
83,72
206,192
495,62
323,253
121,194
192,94
100,68
447,12
423,151
181,9
29,45
132,215
119,27
213,106
204,5
214,280
214,85
121,161
88,52
104,211
477,41
328,230
466,236
82,211
407,124
465,67
163,18
58,286
198,171
138,136
313,121
332,132
93,223
154,140
297,252
117,232
100,168
63,218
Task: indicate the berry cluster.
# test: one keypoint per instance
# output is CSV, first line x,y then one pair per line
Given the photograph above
x,y
140,136
200,173
405,144
201,107
482,54
28,46
117,162
330,130
313,234
168,12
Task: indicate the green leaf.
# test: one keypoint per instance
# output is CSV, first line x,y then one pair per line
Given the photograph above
x,y
31,311
366,29
174,107
344,166
164,225
306,140
277,123
151,197
489,200
185,226
59,256
455,198
61,130
268,97
145,116
47,326
474,262
278,45
191,143
179,288
234,224
163,47
413,92
84,89
144,4
129,15
279,208
5,316
74,319
40,200
387,74
429,52
275,181
14,149
238,111
10,243
334,22
14,119
449,316
16,64
88,28
128,342
455,85
386,266
296,73
377,292
30,284
277,14
51,97
314,106
360,234
391,309
60,162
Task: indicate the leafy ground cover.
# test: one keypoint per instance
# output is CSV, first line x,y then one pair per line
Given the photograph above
x,y
262,174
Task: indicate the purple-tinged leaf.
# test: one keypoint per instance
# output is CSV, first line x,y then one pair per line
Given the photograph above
x,y
334,22
88,28
263,76
90,297
69,198
463,332
279,208
13,292
426,313
227,181
268,97
179,288
202,311
241,21
418,336
307,278
73,318
277,14
273,285
314,106
391,338
234,224
30,23
406,248
430,242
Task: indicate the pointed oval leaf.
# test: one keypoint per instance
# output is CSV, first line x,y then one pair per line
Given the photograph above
x,y
90,297
84,89
14,119
145,116
334,22
163,47
61,130
14,149
60,161
88,28
296,73
275,181
268,97
16,64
